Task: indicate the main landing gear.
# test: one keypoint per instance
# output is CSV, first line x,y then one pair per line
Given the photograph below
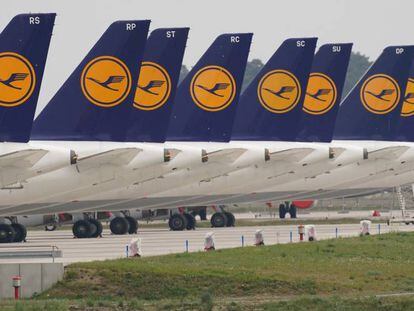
x,y
91,227
180,222
87,228
287,208
12,233
123,225
223,219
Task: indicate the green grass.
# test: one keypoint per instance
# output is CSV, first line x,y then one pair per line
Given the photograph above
x,y
352,266
340,274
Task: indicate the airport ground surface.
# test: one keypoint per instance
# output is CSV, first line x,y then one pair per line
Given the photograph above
x,y
160,241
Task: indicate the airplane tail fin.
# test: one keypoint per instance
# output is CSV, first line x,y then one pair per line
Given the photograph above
x,y
271,106
324,92
405,125
206,99
372,108
97,97
24,45
157,84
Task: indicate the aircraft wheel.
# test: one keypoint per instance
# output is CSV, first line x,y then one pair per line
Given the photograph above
x,y
20,232
94,230
292,211
231,220
7,233
82,229
191,221
133,225
177,222
119,225
50,227
218,220
96,223
282,211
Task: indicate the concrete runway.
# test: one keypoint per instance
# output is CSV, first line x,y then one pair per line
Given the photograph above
x,y
315,214
163,241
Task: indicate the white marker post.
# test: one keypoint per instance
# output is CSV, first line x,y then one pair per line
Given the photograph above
x,y
258,238
209,242
135,248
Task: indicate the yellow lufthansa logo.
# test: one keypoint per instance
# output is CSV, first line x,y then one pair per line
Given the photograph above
x,y
213,88
106,81
408,104
380,94
154,87
17,79
321,94
279,91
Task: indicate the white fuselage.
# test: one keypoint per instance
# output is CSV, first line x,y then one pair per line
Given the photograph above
x,y
148,182
109,183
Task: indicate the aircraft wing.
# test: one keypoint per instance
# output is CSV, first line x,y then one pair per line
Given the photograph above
x,y
224,155
22,158
117,157
289,155
387,153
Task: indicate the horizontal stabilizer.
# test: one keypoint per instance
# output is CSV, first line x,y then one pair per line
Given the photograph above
x,y
224,155
120,156
387,153
22,158
289,155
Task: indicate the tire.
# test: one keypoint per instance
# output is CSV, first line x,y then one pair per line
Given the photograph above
x,y
50,227
219,220
7,233
133,225
191,221
98,232
94,230
177,222
82,229
231,220
119,226
282,211
20,232
292,211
